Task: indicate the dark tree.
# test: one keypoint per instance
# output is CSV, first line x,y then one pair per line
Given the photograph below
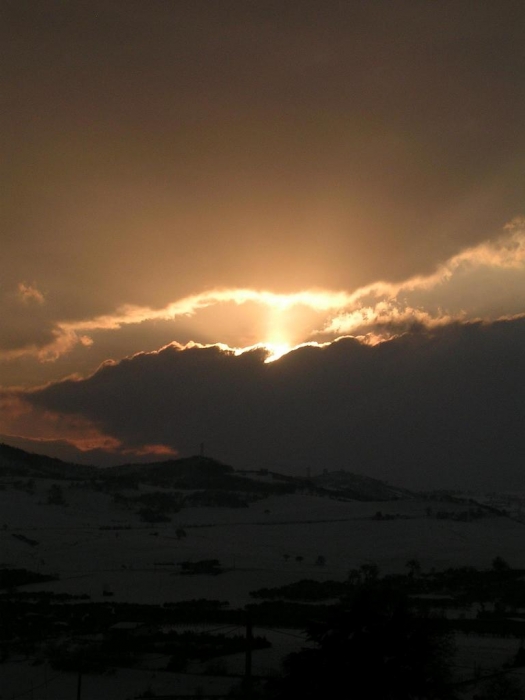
x,y
414,567
55,495
500,565
501,688
376,649
370,572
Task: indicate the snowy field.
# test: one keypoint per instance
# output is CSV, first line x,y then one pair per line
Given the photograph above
x,y
270,543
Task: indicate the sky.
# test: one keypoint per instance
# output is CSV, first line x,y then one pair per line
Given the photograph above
x,y
290,230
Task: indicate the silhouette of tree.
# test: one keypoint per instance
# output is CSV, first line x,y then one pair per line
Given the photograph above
x,y
501,688
519,659
370,572
376,649
414,567
354,577
500,565
55,495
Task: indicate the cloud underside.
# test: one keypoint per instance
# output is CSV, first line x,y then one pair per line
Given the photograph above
x,y
440,408
485,282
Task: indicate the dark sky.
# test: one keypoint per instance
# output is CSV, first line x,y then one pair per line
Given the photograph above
x,y
255,172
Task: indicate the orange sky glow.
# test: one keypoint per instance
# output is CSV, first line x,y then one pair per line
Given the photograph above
x,y
203,203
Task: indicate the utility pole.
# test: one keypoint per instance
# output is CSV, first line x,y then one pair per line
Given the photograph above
x,y
79,681
247,682
202,449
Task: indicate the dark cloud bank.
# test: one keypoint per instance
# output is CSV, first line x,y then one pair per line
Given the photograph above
x,y
444,409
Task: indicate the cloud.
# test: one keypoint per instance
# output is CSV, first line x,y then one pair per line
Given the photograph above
x,y
28,294
483,282
440,408
69,436
343,168
67,334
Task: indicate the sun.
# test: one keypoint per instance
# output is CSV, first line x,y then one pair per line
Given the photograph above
x,y
239,321
276,350
278,338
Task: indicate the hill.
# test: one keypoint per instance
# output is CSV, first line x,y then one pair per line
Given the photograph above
x,y
19,463
199,473
359,487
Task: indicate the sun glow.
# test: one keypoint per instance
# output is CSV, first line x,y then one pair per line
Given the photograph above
x,y
273,350
276,350
241,317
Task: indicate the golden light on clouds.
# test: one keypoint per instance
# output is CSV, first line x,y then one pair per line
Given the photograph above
x,y
468,286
